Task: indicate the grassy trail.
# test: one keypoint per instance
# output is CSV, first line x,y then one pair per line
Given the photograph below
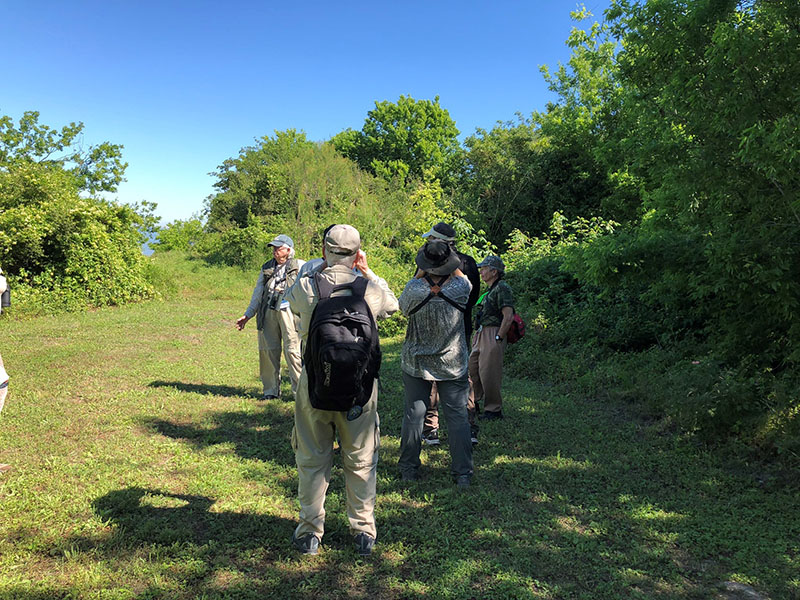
x,y
146,467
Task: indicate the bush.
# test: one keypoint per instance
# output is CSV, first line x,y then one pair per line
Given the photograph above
x,y
179,235
61,251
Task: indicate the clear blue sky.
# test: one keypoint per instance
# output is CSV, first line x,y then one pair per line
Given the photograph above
x,y
184,85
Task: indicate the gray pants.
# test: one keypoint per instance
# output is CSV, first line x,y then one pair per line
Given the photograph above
x,y
453,396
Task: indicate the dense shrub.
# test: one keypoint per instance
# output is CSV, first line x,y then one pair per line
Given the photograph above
x,y
179,235
62,251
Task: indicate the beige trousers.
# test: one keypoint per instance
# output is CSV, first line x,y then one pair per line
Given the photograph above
x,y
486,371
312,439
279,328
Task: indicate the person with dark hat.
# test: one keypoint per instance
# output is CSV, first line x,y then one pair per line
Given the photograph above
x,y
445,232
435,351
274,321
494,318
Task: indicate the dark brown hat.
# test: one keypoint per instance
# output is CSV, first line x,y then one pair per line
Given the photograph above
x,y
437,258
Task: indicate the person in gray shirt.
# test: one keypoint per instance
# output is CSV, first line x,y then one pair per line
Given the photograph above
x,y
435,350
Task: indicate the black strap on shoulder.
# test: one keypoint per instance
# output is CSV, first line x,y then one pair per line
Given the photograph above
x,y
327,289
444,297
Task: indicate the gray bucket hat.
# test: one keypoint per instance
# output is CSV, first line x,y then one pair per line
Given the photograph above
x,y
437,258
282,240
493,262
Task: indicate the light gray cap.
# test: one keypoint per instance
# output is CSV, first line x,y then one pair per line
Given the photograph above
x,y
343,240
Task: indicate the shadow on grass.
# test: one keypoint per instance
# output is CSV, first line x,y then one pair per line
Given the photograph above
x,y
197,552
569,500
573,500
263,435
225,391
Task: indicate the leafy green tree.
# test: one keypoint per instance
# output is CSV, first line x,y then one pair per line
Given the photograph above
x,y
64,251
97,168
62,247
409,138
520,173
251,185
710,100
696,128
180,235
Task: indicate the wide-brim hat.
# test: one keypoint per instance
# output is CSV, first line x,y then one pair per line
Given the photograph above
x,y
436,257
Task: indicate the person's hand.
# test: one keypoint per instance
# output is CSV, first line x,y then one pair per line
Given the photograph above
x,y
361,262
241,322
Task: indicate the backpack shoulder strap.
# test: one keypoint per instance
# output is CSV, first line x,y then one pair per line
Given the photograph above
x,y
359,286
324,287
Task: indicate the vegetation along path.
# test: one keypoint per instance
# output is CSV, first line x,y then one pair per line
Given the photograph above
x,y
145,466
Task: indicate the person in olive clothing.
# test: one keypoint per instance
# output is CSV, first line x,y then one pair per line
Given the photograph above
x,y
493,320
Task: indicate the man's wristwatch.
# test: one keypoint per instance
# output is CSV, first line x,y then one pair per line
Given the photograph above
x,y
497,338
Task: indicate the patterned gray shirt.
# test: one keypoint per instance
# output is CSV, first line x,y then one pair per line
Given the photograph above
x,y
435,347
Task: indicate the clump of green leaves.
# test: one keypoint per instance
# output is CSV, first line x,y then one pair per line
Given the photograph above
x,y
61,247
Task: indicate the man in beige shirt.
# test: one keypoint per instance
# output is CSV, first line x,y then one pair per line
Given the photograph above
x,y
274,321
315,429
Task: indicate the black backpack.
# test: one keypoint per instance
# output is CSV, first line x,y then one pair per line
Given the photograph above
x,y
343,353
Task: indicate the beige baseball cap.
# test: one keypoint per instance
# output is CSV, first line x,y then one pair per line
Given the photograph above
x,y
343,240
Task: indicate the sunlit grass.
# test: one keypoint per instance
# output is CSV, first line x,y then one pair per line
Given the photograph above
x,y
146,467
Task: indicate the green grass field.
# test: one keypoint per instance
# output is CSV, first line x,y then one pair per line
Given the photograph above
x,y
145,466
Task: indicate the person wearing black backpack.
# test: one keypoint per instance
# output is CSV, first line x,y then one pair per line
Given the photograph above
x,y
435,351
337,392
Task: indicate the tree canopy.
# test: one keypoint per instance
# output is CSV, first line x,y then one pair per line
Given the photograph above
x,y
407,138
61,246
97,168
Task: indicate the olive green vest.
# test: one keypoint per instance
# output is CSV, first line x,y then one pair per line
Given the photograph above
x,y
267,271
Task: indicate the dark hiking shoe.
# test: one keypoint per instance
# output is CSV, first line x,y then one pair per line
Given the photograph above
x,y
431,438
307,544
364,543
463,481
491,416
473,437
409,476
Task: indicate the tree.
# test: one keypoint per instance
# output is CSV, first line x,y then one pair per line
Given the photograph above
x,y
95,169
251,184
62,247
710,100
414,139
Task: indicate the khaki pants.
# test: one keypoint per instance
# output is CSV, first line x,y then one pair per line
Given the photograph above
x,y
312,439
486,371
279,328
